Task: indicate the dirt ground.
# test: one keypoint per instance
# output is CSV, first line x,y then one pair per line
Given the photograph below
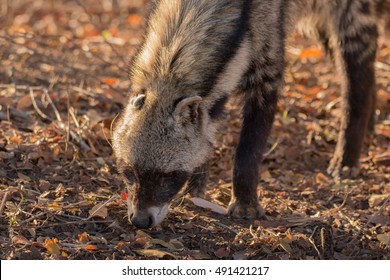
x,y
63,80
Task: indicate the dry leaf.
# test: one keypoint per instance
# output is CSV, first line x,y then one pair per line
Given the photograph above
x,y
110,81
140,233
33,156
222,253
24,102
5,155
321,179
141,241
314,53
52,246
239,256
101,161
154,253
99,211
384,238
199,255
44,185
173,245
286,246
380,219
91,248
384,158
313,91
64,254
288,239
162,243
54,206
23,177
134,20
15,139
208,205
266,175
20,239
383,131
84,238
292,153
177,244
377,199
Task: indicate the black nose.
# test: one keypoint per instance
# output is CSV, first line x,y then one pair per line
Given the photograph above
x,y
141,220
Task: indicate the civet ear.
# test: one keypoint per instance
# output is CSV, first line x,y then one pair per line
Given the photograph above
x,y
187,110
138,101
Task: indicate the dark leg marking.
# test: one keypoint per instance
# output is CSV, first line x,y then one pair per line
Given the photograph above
x,y
355,58
259,110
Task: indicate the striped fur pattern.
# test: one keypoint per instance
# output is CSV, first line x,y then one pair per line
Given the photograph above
x,y
195,54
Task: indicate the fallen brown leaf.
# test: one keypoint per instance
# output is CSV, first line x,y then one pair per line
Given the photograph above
x,y
83,238
155,253
314,53
377,199
91,248
384,238
173,245
222,253
20,239
99,211
321,179
52,246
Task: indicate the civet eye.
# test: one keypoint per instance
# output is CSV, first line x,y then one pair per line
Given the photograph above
x,y
129,176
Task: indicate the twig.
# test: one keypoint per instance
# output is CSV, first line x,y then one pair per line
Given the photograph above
x,y
32,218
288,207
345,200
3,201
35,105
226,227
21,87
68,216
333,103
272,148
251,231
74,136
81,90
80,141
314,245
73,246
350,221
68,122
382,66
79,204
56,112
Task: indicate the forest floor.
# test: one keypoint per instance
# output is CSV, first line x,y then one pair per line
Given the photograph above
x,y
63,80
